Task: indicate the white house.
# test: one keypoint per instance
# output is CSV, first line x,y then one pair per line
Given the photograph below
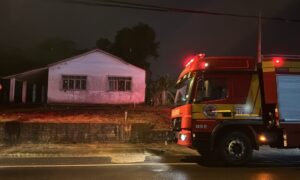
x,y
95,77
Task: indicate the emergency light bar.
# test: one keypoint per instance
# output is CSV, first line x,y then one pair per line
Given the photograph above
x,y
201,55
190,62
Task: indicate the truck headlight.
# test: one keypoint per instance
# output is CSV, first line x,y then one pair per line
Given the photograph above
x,y
183,137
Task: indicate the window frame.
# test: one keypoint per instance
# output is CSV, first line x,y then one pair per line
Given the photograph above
x,y
116,81
73,79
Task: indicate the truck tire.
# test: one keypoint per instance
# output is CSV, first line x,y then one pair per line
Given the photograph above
x,y
235,148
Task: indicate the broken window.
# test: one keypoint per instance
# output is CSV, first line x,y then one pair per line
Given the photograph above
x,y
71,82
119,83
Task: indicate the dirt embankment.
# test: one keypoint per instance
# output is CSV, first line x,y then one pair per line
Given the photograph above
x,y
159,117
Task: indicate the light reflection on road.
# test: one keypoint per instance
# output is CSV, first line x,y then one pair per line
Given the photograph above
x,y
264,176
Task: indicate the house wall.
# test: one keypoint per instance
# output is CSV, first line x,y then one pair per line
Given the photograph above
x,y
97,66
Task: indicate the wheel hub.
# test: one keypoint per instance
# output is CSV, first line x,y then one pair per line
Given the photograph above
x,y
236,148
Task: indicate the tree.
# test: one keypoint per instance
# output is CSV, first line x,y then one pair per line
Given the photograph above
x,y
104,44
13,60
52,50
135,45
161,91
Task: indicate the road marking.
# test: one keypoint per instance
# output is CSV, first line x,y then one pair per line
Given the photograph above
x,y
95,165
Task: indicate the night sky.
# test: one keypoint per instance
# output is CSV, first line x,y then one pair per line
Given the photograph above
x,y
24,23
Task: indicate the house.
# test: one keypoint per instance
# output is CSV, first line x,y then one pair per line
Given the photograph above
x,y
95,77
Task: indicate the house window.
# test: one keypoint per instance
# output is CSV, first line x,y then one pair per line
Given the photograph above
x,y
119,83
73,82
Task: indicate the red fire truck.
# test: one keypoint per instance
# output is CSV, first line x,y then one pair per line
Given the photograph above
x,y
226,107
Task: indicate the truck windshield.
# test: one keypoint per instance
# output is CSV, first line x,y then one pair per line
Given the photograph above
x,y
182,93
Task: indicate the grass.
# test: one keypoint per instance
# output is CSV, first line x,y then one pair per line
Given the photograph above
x,y
158,116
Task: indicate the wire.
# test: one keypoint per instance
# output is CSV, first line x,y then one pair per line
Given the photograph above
x,y
110,5
149,7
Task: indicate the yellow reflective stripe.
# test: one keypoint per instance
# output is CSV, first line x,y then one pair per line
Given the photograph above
x,y
197,111
253,115
267,64
197,107
293,66
257,103
271,69
198,116
254,97
222,111
294,69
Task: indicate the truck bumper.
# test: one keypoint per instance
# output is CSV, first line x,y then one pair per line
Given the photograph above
x,y
184,138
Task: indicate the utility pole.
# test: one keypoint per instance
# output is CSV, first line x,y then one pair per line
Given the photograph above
x,y
259,29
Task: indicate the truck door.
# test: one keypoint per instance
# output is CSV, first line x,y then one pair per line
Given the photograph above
x,y
288,92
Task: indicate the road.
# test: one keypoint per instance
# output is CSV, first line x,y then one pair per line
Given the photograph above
x,y
267,165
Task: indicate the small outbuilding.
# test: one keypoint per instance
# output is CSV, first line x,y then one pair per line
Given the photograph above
x,y
95,77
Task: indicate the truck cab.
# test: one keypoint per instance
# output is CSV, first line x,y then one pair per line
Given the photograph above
x,y
229,106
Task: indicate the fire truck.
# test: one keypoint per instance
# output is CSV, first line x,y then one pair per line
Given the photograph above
x,y
226,107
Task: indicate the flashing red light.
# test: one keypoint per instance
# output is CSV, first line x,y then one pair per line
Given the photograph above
x,y
278,61
203,65
201,55
190,62
192,59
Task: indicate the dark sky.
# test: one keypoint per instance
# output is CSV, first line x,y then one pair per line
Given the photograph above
x,y
24,23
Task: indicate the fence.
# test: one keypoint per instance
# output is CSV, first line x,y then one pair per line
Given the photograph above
x,y
21,132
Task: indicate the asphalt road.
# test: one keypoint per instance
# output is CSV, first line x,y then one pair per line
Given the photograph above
x,y
267,165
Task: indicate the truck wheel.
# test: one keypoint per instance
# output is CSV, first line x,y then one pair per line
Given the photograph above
x,y
235,148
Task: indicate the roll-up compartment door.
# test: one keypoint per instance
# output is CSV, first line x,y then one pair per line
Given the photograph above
x,y
288,92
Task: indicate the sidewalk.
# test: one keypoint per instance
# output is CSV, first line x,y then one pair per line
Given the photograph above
x,y
118,153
